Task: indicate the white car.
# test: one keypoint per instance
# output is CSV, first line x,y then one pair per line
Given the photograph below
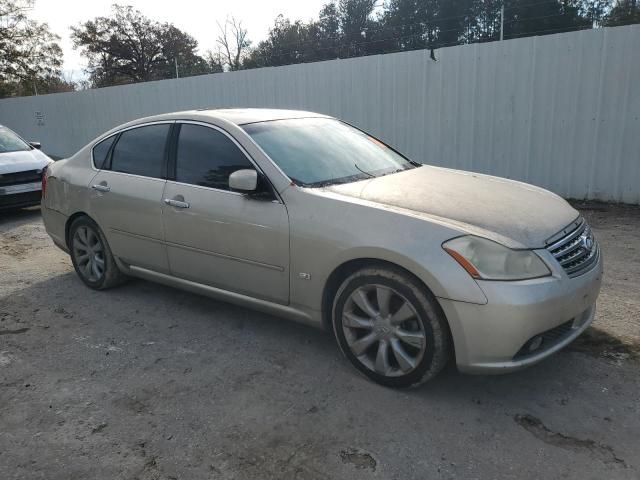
x,y
21,166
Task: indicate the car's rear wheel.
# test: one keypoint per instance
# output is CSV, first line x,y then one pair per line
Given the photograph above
x,y
91,255
390,327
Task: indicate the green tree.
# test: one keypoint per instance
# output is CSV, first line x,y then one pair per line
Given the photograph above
x,y
38,85
407,24
30,56
485,24
343,29
454,20
355,27
524,18
348,28
324,34
285,45
179,48
624,12
128,47
215,61
594,10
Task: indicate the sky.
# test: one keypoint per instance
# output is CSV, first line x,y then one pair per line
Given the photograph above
x,y
195,17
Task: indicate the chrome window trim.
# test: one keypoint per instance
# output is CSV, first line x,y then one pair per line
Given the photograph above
x,y
218,190
163,180
175,182
265,153
278,199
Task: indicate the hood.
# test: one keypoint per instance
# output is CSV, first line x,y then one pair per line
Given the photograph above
x,y
12,162
515,214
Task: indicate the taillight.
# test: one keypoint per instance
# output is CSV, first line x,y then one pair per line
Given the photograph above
x,y
44,180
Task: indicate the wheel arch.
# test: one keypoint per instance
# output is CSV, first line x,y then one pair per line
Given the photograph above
x,y
342,271
69,222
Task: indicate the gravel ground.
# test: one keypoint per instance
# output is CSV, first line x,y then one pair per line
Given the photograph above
x,y
146,382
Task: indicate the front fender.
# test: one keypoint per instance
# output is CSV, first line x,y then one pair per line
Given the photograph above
x,y
326,232
436,269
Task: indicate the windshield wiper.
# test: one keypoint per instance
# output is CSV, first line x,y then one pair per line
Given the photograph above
x,y
337,181
361,170
398,170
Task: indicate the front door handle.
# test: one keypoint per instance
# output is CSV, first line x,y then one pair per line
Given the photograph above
x,y
101,188
176,203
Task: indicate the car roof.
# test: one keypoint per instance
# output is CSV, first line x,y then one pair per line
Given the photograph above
x,y
238,116
242,116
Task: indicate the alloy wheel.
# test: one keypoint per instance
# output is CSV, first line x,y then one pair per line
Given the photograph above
x,y
383,331
88,251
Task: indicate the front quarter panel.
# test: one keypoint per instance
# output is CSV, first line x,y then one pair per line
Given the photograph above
x,y
327,231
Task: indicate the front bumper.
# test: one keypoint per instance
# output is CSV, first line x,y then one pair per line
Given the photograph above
x,y
21,195
495,337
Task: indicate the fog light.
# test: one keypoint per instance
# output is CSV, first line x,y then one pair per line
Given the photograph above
x,y
535,343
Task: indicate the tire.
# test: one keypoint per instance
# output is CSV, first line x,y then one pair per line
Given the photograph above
x,y
87,240
391,311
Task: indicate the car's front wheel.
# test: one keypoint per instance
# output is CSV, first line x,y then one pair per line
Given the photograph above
x,y
390,328
91,255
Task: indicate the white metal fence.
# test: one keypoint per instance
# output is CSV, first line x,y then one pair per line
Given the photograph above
x,y
559,111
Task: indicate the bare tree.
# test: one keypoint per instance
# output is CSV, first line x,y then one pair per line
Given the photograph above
x,y
233,42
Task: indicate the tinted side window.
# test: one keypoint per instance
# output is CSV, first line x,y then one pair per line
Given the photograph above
x,y
140,151
207,157
100,151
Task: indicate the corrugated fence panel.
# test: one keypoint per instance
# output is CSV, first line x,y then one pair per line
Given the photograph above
x,y
560,111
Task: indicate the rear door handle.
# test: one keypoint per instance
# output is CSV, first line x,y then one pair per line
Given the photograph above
x,y
176,203
101,188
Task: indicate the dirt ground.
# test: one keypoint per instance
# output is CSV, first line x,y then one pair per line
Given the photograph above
x,y
146,382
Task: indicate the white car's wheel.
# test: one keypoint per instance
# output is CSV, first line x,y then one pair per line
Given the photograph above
x,y
390,328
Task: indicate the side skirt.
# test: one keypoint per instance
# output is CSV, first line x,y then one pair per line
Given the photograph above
x,y
271,308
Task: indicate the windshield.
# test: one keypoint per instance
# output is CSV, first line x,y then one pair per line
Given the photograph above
x,y
10,142
315,152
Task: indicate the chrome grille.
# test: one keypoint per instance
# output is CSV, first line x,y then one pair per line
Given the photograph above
x,y
18,178
577,251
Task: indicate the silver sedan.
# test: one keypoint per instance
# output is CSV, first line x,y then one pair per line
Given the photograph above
x,y
306,217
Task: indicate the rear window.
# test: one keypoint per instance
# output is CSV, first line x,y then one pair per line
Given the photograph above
x,y
141,151
10,142
101,150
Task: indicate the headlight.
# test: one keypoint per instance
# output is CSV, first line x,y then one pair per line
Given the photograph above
x,y
488,260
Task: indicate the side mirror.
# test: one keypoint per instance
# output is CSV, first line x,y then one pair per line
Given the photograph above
x,y
244,180
36,145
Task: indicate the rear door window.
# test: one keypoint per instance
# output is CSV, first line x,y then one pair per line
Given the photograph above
x,y
101,150
207,157
141,151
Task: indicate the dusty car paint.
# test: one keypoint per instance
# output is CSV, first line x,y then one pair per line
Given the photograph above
x,y
11,162
305,235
